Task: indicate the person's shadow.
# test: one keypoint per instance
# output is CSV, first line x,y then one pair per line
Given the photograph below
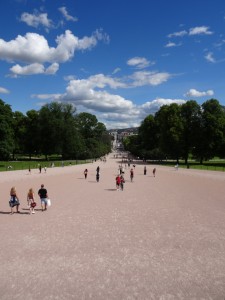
x,y
9,212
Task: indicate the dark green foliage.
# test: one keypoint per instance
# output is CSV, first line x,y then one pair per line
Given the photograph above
x,y
6,131
180,131
54,129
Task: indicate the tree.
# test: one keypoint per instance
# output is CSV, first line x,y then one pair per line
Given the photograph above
x,y
54,118
19,128
170,126
191,118
32,134
212,130
148,134
6,131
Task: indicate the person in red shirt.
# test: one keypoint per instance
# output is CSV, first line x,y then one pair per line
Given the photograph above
x,y
118,181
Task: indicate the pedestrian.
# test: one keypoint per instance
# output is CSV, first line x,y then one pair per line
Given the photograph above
x,y
122,181
31,200
43,194
85,173
131,175
97,176
154,171
98,169
40,168
45,168
14,200
145,170
118,182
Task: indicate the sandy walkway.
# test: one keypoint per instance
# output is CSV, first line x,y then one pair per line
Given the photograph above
x,y
161,238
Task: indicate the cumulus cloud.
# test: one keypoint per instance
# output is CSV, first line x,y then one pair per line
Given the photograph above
x,y
3,90
94,95
33,69
139,62
65,14
34,50
37,19
195,93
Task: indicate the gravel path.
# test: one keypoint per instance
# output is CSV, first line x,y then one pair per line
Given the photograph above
x,y
161,238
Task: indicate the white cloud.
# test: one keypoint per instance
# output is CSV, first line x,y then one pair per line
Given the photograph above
x,y
37,19
178,34
34,49
3,90
116,70
172,44
153,106
195,93
65,14
142,78
33,69
209,57
91,95
52,69
200,30
139,62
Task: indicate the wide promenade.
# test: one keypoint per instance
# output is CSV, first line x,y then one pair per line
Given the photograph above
x,y
161,238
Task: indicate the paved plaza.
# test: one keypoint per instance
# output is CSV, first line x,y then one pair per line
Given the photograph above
x,y
162,238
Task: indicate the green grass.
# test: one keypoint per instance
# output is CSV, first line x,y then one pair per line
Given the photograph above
x,y
211,165
34,164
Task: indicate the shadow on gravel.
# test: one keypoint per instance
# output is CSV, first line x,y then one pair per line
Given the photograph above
x,y
110,190
8,213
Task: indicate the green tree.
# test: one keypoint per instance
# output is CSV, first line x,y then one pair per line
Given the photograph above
x,y
148,135
191,118
170,126
19,128
212,130
57,129
32,134
6,131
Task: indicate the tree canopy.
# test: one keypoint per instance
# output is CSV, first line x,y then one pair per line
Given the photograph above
x,y
54,129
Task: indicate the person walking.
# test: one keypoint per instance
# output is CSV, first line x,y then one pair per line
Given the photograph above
x,y
85,173
118,182
97,176
154,171
122,181
131,175
43,194
31,200
145,170
14,200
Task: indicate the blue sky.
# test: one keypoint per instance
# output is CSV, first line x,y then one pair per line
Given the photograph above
x,y
117,59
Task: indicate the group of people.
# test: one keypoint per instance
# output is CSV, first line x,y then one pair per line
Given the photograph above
x,y
153,171
14,200
119,182
97,173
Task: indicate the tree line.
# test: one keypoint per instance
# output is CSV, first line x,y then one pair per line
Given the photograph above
x,y
55,129
180,132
